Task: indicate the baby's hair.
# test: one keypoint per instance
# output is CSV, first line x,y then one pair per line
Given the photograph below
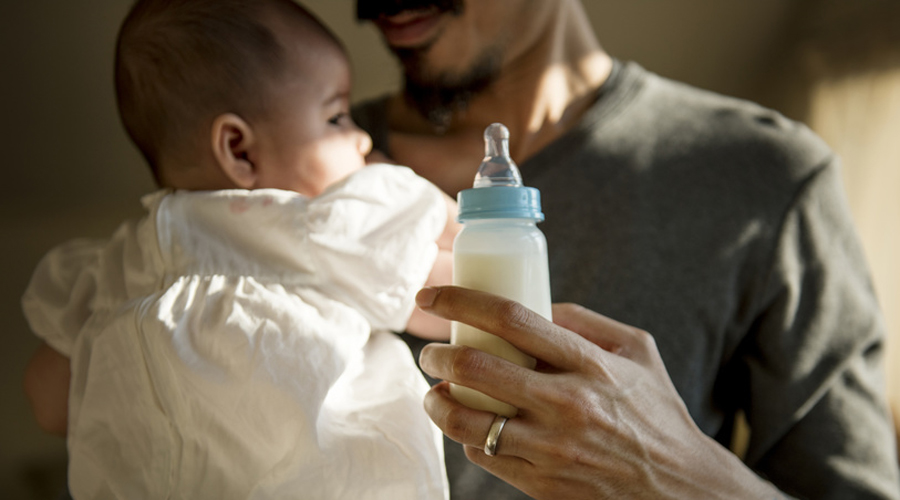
x,y
181,63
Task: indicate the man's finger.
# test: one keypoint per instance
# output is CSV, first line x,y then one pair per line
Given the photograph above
x,y
483,372
528,331
605,332
470,427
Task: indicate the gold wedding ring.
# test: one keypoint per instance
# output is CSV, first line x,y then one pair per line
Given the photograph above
x,y
493,437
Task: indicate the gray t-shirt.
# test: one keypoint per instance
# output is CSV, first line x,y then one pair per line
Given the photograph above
x,y
721,228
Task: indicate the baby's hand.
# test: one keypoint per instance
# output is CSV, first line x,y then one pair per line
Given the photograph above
x,y
421,323
445,240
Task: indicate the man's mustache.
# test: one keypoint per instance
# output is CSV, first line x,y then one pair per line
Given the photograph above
x,y
369,10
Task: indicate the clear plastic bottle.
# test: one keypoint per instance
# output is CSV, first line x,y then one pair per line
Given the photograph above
x,y
499,250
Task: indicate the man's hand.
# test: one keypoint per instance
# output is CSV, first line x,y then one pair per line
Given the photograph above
x,y
598,418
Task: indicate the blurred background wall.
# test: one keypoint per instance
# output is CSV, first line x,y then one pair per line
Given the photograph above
x,y
70,171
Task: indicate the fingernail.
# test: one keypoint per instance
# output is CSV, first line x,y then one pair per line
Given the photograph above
x,y
425,297
424,357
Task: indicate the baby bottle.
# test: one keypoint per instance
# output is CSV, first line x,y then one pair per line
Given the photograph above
x,y
499,250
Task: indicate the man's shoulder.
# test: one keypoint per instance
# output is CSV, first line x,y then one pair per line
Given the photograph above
x,y
668,131
673,142
724,126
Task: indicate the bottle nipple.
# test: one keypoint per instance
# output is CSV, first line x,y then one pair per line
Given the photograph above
x,y
497,168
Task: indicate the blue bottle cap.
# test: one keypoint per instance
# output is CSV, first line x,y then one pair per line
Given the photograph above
x,y
500,202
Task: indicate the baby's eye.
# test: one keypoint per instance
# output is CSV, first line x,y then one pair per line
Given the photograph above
x,y
336,119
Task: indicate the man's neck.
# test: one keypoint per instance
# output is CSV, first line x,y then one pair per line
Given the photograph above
x,y
539,94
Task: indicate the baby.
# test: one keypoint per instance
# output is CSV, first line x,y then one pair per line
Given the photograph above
x,y
235,342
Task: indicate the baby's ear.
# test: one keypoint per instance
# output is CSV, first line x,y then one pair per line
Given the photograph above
x,y
232,142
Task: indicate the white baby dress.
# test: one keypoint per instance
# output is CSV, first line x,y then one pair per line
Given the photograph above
x,y
235,344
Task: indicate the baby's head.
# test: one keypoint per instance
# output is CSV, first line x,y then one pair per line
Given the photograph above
x,y
249,94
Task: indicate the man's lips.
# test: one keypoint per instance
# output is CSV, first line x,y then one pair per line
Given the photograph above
x,y
409,28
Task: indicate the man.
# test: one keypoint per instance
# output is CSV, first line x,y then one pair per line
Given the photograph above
x,y
714,224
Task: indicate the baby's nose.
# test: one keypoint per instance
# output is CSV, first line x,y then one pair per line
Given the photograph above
x,y
364,142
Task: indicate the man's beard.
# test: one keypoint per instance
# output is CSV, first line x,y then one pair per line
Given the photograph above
x,y
438,97
435,97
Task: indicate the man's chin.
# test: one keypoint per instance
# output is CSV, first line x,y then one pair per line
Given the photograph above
x,y
414,60
438,97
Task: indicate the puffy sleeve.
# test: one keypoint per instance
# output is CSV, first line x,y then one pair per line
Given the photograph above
x,y
372,240
60,296
818,414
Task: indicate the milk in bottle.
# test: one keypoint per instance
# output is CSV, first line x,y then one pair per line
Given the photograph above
x,y
499,250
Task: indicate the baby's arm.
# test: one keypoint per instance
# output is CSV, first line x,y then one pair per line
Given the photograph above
x,y
422,324
445,240
47,388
